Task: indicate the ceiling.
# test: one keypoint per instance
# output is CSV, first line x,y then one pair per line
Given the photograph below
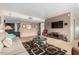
x,y
41,10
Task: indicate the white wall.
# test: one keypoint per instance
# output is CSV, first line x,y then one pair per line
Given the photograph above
x,y
2,23
24,32
16,27
42,27
76,18
66,28
72,30
76,28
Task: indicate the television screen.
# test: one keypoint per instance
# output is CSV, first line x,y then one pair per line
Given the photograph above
x,y
58,24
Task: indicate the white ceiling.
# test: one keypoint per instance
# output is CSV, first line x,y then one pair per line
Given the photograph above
x,y
41,10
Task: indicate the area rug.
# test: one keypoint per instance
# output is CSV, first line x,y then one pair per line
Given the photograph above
x,y
29,47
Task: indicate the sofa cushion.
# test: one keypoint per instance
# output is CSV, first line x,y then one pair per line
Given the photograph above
x,y
1,46
7,42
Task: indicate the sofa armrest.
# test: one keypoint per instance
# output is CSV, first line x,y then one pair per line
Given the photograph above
x,y
1,46
75,51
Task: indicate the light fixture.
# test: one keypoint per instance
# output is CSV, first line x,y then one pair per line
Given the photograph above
x,y
24,26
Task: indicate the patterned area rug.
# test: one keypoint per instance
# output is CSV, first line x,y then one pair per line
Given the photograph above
x,y
49,50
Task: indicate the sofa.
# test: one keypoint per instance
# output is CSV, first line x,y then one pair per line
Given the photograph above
x,y
1,46
75,51
2,37
16,49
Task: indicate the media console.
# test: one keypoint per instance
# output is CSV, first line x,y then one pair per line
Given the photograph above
x,y
57,36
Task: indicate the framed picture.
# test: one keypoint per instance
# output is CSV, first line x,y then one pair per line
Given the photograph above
x,y
29,26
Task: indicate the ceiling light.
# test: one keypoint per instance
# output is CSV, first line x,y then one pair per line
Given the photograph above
x,y
68,14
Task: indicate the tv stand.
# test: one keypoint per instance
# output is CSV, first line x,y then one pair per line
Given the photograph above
x,y
57,36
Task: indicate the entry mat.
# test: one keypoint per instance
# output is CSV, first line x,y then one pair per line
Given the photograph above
x,y
49,50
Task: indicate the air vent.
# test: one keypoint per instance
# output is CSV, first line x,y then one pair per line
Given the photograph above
x,y
30,17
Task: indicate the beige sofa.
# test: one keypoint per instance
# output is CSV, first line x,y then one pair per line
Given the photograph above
x,y
1,46
16,49
2,38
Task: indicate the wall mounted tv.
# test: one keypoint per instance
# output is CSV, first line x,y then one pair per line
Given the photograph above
x,y
58,24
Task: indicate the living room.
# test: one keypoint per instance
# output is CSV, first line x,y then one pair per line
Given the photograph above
x,y
38,31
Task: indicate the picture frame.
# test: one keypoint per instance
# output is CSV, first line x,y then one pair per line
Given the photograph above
x,y
28,26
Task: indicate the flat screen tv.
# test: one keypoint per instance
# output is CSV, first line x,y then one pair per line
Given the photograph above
x,y
58,24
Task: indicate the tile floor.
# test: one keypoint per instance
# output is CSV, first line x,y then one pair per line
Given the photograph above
x,y
18,49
